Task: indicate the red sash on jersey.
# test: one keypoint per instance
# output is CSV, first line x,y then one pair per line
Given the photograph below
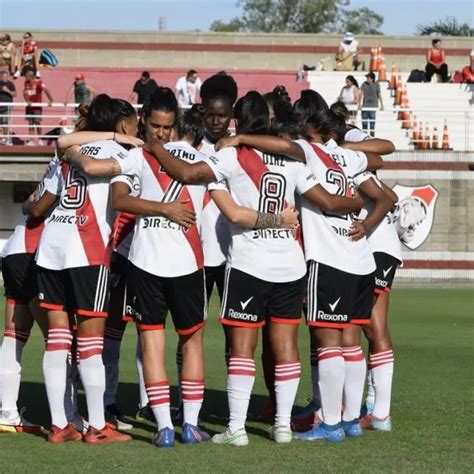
x,y
96,251
207,199
33,228
191,234
329,162
251,162
123,226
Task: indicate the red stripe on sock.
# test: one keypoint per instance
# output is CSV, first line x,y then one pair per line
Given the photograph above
x,y
353,354
158,393
329,353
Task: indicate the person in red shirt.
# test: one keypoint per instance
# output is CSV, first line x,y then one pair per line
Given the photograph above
x,y
28,56
436,65
468,71
33,94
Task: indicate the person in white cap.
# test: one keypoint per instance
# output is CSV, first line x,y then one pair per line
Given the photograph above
x,y
349,47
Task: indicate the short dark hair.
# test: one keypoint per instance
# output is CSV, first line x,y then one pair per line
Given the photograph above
x,y
191,124
219,86
251,113
191,72
435,41
146,74
371,75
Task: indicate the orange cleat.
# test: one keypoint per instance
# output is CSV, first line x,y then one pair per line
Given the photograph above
x,y
306,422
62,435
106,435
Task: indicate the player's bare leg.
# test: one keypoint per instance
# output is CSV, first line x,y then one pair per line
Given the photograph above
x,y
283,340
18,324
380,365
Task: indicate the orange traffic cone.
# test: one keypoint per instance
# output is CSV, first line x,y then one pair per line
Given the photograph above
x,y
378,58
414,134
406,112
445,145
421,138
383,69
427,139
393,77
434,140
398,94
372,59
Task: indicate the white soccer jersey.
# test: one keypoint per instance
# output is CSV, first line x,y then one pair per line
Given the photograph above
x,y
325,234
215,230
355,134
266,183
159,246
27,233
383,237
77,232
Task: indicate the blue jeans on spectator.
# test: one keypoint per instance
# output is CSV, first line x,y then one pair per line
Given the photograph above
x,y
368,121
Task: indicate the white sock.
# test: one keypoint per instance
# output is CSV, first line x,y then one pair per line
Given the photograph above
x,y
331,383
92,372
55,372
141,378
110,357
381,366
315,378
354,382
287,379
10,368
370,397
193,396
240,380
159,399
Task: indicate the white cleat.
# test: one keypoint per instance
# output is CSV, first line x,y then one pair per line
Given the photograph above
x,y
281,434
239,438
14,422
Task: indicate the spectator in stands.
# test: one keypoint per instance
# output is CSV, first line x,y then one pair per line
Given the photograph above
x,y
7,93
187,88
369,98
8,52
81,92
143,88
468,71
28,56
349,95
436,57
348,48
33,94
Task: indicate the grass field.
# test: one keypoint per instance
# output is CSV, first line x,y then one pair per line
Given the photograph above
x,y
432,407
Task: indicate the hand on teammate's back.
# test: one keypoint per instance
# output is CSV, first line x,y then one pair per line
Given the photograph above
x,y
289,218
227,142
177,211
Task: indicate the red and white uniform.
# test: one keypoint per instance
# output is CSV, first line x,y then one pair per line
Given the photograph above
x,y
28,52
266,183
383,237
34,91
325,234
27,233
77,232
160,246
215,230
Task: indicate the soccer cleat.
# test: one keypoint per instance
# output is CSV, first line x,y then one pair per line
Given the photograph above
x,y
367,409
14,422
117,418
352,429
239,438
63,435
80,423
164,438
194,434
333,434
369,422
145,414
281,434
306,421
106,435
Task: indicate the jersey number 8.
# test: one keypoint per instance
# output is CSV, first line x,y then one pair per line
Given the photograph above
x,y
76,189
272,193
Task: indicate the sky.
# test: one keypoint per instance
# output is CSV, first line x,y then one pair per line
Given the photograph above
x,y
400,16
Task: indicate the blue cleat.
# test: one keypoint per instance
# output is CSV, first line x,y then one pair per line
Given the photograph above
x,y
333,434
164,438
352,429
194,434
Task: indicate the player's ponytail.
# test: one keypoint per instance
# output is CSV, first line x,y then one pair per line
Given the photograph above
x,y
340,109
251,114
100,117
309,104
82,114
191,126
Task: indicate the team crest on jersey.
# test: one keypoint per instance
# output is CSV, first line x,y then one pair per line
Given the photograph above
x,y
414,213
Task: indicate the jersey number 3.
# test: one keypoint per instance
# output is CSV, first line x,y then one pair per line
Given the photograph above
x,y
76,189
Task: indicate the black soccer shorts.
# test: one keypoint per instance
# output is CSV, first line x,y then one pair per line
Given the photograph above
x,y
82,290
149,297
19,278
385,272
249,301
336,298
215,276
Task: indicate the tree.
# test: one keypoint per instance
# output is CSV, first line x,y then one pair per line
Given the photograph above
x,y
446,27
301,16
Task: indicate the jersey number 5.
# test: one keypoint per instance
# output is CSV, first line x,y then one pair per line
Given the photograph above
x,y
76,189
272,193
